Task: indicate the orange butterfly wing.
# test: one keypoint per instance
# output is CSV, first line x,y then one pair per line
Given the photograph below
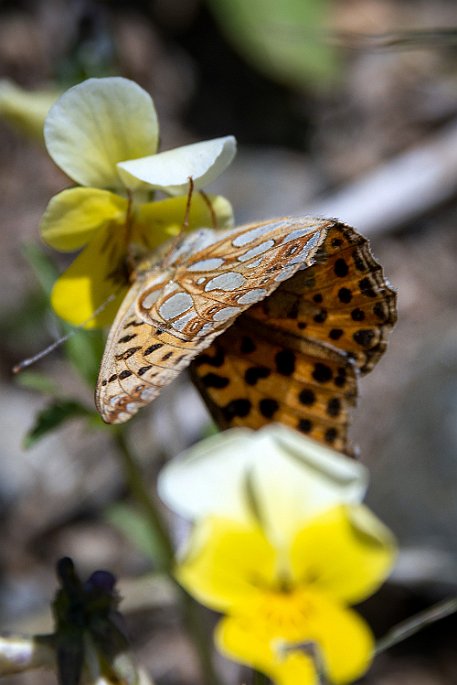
x,y
295,357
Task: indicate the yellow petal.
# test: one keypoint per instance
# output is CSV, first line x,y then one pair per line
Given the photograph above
x,y
237,640
26,109
226,563
96,276
74,215
97,124
158,221
341,640
344,640
345,553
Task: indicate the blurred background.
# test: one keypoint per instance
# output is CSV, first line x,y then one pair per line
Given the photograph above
x,y
343,108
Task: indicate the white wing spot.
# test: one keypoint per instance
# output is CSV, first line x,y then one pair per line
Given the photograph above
x,y
206,328
258,249
285,274
249,236
180,323
175,305
227,282
206,264
150,298
252,296
299,233
256,262
225,314
201,280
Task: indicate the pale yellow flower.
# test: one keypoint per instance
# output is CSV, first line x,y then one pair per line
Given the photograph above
x,y
103,133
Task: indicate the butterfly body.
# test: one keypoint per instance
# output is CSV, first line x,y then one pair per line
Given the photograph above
x,y
271,313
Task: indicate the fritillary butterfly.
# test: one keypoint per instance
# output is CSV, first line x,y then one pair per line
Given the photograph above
x,y
278,319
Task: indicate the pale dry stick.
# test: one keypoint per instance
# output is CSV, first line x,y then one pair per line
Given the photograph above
x,y
415,39
412,625
402,189
419,39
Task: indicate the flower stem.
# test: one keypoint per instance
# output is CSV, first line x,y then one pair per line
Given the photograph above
x,y
142,496
165,562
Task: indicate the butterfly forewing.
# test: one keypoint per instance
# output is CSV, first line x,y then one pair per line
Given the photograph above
x,y
295,357
178,305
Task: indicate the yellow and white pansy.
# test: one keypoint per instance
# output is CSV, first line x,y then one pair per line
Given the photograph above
x,y
282,546
103,133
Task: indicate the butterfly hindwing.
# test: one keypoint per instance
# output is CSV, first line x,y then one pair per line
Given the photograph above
x,y
249,377
295,357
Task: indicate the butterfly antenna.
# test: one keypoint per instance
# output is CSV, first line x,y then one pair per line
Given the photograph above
x,y
50,348
185,224
209,204
190,192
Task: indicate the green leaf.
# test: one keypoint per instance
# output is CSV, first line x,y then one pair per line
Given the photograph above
x,y
133,525
282,38
53,416
34,380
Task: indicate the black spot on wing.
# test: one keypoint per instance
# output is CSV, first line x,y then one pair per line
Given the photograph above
x,y
305,425
152,348
322,373
268,407
255,373
285,362
212,380
236,408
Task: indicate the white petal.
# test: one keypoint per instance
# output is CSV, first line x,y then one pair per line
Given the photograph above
x,y
207,478
288,477
98,123
294,478
170,170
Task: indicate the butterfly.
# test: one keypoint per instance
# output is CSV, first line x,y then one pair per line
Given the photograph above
x,y
276,319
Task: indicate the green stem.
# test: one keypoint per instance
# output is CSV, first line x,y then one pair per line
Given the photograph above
x,y
165,563
140,493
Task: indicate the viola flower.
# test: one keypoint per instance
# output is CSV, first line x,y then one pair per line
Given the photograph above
x,y
88,646
287,609
283,547
103,133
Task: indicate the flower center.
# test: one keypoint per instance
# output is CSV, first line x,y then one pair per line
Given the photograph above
x,y
289,611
